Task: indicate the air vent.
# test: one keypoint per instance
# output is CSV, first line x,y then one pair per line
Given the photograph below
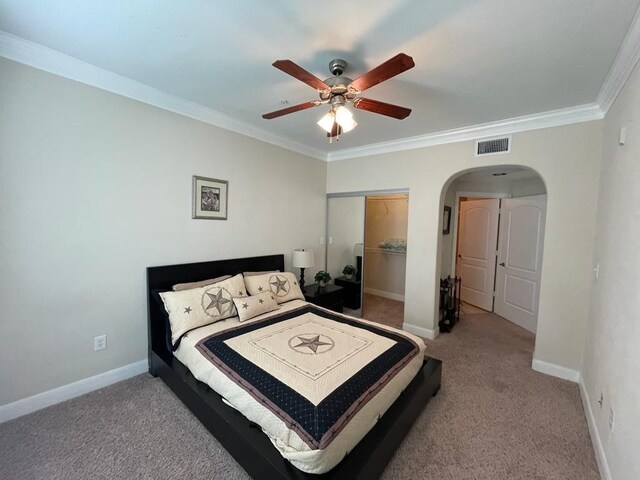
x,y
493,146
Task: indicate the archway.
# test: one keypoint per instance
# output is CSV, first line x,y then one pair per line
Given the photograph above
x,y
493,240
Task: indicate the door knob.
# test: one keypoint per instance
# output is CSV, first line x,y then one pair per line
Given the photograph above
x,y
502,264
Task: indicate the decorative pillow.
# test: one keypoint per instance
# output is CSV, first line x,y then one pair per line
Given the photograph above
x,y
255,274
189,309
188,286
249,307
284,286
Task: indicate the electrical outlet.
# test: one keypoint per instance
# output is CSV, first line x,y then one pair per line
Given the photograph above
x,y
100,342
596,270
612,417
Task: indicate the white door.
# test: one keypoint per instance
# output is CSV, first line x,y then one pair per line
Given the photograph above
x,y
477,243
519,260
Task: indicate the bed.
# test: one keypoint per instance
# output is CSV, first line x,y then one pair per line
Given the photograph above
x,y
241,436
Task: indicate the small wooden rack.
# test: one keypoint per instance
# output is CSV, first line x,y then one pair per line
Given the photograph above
x,y
449,303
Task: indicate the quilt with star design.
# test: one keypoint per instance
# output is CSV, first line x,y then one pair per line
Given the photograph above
x,y
312,368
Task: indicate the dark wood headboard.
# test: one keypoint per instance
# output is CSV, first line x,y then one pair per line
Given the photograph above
x,y
164,277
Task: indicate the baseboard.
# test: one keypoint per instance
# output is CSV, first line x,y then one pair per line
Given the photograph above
x,y
51,397
384,294
421,331
555,370
598,448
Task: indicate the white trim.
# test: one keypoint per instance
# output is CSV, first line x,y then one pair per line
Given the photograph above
x,y
421,331
49,60
601,457
66,392
623,65
554,118
43,58
555,370
384,294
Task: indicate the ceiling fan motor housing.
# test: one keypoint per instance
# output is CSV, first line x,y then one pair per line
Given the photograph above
x,y
338,85
337,66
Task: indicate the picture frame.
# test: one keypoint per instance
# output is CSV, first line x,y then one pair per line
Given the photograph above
x,y
210,197
446,220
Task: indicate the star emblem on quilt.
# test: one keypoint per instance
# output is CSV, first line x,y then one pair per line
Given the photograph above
x,y
187,310
245,305
217,301
281,285
260,289
311,343
261,301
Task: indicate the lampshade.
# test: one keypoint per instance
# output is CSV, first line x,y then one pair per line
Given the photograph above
x,y
302,258
326,122
341,116
358,250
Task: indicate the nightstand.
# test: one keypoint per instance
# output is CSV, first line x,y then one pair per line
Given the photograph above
x,y
352,293
329,296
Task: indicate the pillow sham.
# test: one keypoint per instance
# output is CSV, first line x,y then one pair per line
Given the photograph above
x,y
255,274
178,287
284,286
196,307
249,307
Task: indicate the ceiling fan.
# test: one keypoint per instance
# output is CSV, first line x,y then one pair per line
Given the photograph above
x,y
337,91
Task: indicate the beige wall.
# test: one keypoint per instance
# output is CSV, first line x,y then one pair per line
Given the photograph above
x,y
95,187
568,160
612,353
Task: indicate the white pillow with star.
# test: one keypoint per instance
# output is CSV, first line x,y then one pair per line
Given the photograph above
x,y
284,286
196,307
249,307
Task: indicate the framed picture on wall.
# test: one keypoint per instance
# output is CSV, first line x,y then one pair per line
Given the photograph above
x,y
210,198
446,220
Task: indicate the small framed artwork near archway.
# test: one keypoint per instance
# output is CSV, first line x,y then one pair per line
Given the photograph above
x,y
446,220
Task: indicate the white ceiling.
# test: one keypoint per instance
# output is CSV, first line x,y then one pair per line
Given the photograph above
x,y
476,61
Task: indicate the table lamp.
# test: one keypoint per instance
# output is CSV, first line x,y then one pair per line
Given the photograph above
x,y
302,259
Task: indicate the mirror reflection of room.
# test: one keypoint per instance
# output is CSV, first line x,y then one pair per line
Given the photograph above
x,y
345,237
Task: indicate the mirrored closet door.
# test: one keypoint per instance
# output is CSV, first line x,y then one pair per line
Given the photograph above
x,y
368,232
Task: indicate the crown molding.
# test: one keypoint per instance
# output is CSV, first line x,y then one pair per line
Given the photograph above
x,y
623,65
49,60
554,118
44,58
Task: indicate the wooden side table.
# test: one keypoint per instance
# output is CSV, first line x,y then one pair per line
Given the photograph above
x,y
352,291
329,296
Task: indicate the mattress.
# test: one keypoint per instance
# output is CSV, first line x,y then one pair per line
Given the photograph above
x,y
315,381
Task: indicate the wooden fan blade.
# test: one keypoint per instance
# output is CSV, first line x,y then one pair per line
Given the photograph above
x,y
296,71
293,109
392,67
382,108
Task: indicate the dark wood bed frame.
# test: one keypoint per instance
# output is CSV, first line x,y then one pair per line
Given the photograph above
x,y
244,440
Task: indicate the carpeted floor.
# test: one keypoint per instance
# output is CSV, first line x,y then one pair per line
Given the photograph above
x,y
384,310
494,419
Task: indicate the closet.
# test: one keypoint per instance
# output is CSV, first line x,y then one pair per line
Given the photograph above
x,y
369,231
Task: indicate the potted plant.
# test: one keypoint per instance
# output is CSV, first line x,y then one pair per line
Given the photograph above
x,y
349,271
322,278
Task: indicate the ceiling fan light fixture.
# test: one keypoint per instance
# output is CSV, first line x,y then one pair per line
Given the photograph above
x,y
348,125
326,122
343,115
